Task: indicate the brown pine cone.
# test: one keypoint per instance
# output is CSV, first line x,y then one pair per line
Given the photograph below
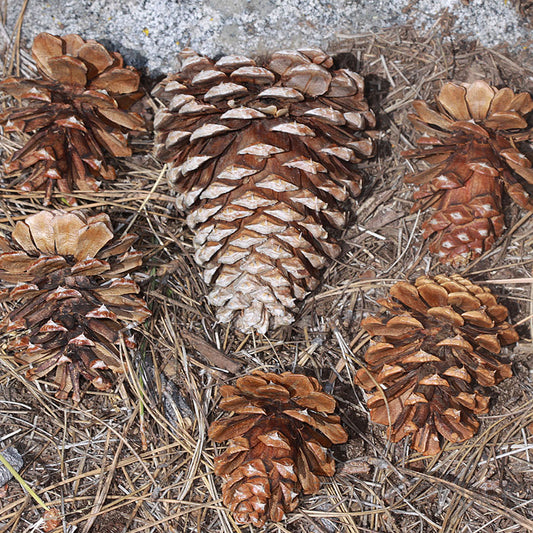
x,y
430,359
279,431
470,143
76,112
64,274
262,157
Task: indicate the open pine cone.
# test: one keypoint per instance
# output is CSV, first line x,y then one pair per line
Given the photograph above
x,y
431,357
76,113
64,274
470,143
279,431
262,156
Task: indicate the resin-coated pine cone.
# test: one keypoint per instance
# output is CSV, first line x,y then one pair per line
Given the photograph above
x,y
63,273
76,113
470,145
262,157
279,431
431,357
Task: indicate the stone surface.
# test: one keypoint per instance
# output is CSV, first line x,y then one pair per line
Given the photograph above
x,y
149,33
13,457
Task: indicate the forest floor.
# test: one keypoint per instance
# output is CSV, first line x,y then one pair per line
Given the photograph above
x,y
137,458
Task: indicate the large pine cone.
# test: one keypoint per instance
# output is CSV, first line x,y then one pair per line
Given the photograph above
x,y
470,145
78,111
279,431
429,358
262,156
64,271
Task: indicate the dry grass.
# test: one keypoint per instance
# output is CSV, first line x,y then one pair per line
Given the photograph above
x,y
137,459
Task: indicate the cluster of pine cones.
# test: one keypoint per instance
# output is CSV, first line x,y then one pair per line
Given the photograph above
x,y
262,157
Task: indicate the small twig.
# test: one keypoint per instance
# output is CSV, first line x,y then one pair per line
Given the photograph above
x,y
212,354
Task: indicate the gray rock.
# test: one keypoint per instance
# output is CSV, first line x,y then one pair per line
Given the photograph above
x,y
13,457
149,33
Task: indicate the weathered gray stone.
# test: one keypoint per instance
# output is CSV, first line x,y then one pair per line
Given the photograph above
x,y
149,33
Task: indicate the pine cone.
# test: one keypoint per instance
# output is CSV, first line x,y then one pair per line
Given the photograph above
x,y
64,272
262,157
76,112
429,358
470,144
278,432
